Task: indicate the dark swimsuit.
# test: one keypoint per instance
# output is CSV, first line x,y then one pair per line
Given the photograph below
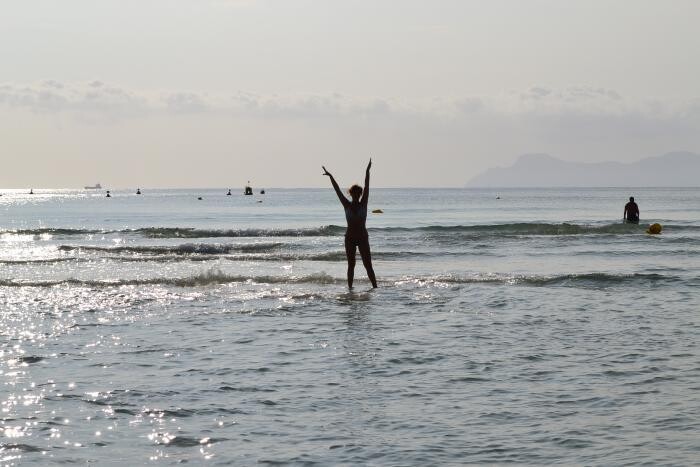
x,y
353,237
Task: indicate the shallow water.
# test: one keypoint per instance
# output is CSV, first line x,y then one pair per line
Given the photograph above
x,y
535,328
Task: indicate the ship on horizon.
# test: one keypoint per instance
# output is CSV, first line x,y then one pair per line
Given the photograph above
x,y
97,186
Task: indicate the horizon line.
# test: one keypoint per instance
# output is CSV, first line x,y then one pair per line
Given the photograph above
x,y
426,187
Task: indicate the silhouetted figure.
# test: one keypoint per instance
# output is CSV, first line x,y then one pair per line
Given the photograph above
x,y
229,192
138,191
631,214
108,195
262,192
31,191
356,236
248,190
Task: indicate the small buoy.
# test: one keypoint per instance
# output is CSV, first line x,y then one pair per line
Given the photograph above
x,y
199,198
377,211
654,229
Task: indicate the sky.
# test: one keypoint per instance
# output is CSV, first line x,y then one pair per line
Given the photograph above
x,y
213,93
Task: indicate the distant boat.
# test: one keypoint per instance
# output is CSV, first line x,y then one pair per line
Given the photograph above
x,y
96,187
248,190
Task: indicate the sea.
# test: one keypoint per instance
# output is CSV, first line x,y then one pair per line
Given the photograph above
x,y
510,326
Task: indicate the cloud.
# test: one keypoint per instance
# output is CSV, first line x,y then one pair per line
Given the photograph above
x,y
185,102
94,98
99,101
98,98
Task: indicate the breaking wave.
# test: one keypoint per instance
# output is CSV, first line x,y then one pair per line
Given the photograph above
x,y
38,261
592,280
595,279
205,252
518,228
204,279
53,231
184,249
186,232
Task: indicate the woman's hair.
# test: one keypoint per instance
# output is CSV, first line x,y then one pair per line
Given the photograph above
x,y
355,189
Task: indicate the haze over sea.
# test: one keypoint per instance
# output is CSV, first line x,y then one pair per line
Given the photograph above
x,y
525,326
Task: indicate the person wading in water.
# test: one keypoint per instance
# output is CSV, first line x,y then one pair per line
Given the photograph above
x,y
356,235
631,214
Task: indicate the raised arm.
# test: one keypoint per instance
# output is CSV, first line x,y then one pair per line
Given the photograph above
x,y
365,191
343,200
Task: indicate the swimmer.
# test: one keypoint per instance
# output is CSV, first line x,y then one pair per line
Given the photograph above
x,y
631,214
356,236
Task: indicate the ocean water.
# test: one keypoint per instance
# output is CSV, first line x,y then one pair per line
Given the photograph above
x,y
510,326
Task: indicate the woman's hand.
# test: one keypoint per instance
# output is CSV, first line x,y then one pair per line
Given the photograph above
x,y
326,172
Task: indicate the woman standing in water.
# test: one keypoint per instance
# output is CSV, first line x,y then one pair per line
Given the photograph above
x,y
356,236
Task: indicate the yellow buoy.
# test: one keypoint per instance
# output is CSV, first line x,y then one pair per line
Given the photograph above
x,y
377,211
654,229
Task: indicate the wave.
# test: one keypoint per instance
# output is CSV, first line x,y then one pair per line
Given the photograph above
x,y
526,228
520,228
517,228
184,249
216,252
204,279
214,277
54,231
331,256
595,279
186,232
37,261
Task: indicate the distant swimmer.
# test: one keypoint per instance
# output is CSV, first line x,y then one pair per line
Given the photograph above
x,y
138,191
108,195
229,192
356,236
631,214
199,198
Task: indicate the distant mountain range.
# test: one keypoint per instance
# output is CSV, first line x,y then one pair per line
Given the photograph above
x,y
542,170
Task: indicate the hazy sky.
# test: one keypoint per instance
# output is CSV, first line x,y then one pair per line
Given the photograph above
x,y
185,93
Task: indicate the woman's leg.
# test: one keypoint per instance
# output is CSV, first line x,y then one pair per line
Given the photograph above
x,y
367,261
350,253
